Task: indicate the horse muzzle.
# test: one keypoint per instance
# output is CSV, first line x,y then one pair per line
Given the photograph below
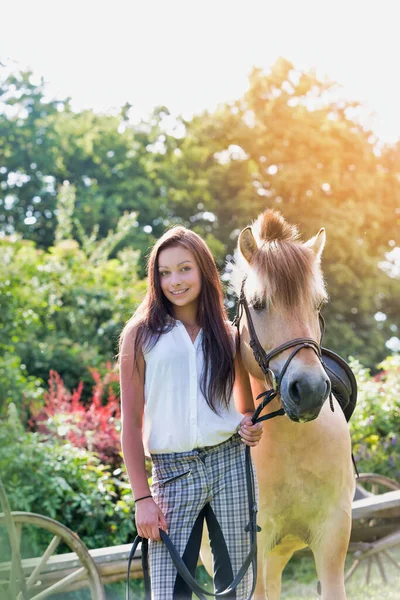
x,y
303,396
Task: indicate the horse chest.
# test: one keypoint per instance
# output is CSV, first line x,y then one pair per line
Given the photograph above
x,y
299,481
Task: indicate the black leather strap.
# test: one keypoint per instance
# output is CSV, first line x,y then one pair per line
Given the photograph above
x,y
252,528
263,358
180,566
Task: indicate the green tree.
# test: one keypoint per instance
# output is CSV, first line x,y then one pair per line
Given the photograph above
x,y
63,309
28,155
289,144
43,144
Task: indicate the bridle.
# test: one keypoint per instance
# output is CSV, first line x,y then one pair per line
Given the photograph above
x,y
263,358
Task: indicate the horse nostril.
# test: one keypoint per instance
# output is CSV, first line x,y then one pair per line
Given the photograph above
x,y
294,392
305,392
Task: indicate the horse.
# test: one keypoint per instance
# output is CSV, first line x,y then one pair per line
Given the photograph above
x,y
303,461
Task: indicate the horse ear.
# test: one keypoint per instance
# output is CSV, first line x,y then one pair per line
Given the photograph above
x,y
317,243
247,244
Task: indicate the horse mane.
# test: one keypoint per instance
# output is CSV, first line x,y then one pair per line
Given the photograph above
x,y
284,272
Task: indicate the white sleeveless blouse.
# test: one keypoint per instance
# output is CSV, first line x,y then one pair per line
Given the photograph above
x,y
177,417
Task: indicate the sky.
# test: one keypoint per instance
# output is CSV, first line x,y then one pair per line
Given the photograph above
x,y
190,55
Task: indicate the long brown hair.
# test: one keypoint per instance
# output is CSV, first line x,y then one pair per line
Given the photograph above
x,y
155,316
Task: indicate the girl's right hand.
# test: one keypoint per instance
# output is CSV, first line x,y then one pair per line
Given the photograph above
x,y
149,519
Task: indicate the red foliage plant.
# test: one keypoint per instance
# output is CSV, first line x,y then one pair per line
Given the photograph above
x,y
95,426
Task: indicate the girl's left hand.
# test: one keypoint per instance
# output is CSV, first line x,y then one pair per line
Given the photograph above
x,y
250,434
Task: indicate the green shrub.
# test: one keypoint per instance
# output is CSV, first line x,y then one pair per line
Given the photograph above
x,y
16,385
69,484
375,423
95,426
61,310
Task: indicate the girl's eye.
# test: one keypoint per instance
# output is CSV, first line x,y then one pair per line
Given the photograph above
x,y
162,273
185,269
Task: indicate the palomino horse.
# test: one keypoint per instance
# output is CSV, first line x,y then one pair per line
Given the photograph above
x,y
303,461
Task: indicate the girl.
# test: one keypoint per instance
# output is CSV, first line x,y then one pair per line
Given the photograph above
x,y
178,369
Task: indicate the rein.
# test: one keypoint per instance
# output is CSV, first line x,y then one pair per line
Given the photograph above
x,y
251,527
263,359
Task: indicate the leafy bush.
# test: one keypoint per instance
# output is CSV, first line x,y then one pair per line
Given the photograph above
x,y
62,309
69,484
16,385
375,423
68,357
94,425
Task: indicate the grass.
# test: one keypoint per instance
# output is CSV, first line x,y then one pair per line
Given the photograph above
x,y
300,582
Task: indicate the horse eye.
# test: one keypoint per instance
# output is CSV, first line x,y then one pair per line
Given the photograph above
x,y
258,304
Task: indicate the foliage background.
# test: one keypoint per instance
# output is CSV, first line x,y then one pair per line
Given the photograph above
x,y
82,198
286,144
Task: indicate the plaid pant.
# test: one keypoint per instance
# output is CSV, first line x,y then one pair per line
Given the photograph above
x,y
206,483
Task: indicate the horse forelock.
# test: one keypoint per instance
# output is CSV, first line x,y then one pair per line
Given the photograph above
x,y
271,226
284,272
287,275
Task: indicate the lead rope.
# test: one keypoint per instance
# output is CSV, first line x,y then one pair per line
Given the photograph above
x,y
252,528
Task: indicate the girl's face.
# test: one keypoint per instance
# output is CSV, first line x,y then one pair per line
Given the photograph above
x,y
180,275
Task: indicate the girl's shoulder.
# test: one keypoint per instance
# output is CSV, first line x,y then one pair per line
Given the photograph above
x,y
136,331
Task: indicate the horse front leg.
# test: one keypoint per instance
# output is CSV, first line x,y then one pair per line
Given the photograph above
x,y
269,580
330,555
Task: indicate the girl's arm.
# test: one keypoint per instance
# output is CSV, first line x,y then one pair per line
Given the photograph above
x,y
132,409
243,396
242,389
147,514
